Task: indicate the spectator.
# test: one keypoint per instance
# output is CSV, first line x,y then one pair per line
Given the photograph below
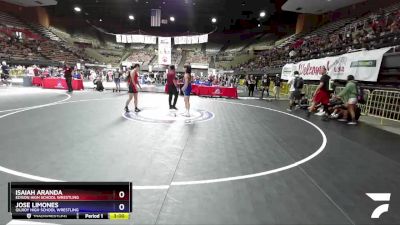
x,y
296,84
277,88
349,96
252,84
265,85
321,94
68,76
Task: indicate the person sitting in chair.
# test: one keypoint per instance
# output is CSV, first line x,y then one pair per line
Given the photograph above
x,y
99,84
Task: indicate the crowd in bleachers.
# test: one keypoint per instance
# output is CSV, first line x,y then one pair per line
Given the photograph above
x,y
54,51
143,56
29,45
213,48
373,31
12,46
176,57
196,57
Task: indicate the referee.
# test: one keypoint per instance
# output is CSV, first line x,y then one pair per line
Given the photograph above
x,y
68,77
172,87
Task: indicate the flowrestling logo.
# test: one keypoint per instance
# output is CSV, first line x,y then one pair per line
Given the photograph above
x,y
59,83
217,91
379,197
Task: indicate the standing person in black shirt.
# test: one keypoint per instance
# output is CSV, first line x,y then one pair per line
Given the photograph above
x,y
252,84
68,76
117,80
172,87
277,88
265,85
5,73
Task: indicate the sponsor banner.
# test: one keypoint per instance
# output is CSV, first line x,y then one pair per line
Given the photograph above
x,y
119,38
129,39
137,38
147,39
164,50
150,39
123,38
364,65
196,39
203,38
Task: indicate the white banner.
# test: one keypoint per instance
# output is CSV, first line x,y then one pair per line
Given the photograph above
x,y
195,39
147,39
203,38
129,39
119,38
188,40
150,39
137,38
164,50
177,40
363,65
123,38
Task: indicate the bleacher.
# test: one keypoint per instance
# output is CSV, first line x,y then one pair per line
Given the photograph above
x,y
196,57
62,45
142,56
11,21
287,40
45,32
213,48
12,49
37,43
176,57
330,27
334,38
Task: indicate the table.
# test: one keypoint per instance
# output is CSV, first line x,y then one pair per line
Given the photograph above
x,y
214,91
37,81
60,83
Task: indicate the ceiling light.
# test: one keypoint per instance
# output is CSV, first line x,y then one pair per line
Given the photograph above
x,y
214,20
131,17
262,14
172,19
100,20
77,9
259,25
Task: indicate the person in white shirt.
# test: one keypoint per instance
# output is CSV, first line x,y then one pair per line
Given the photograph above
x,y
296,85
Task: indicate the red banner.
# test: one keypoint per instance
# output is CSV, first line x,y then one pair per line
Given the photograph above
x,y
60,83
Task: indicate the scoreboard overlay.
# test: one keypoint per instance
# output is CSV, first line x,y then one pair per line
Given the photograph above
x,y
70,200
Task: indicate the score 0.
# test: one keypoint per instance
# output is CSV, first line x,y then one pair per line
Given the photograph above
x,y
121,195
